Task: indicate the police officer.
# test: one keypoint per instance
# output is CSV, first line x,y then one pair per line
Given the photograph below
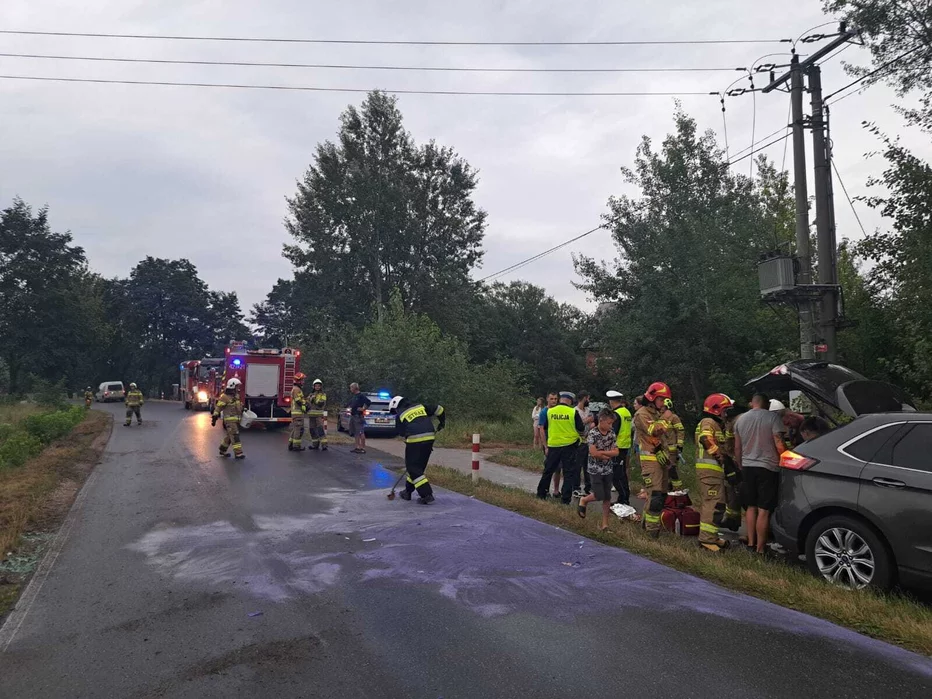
x,y
710,472
298,408
317,404
655,460
563,429
231,407
414,424
134,403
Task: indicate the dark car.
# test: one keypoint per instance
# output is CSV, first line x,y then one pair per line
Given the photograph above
x,y
378,419
858,500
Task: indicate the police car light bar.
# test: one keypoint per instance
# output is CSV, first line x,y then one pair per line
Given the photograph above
x,y
384,394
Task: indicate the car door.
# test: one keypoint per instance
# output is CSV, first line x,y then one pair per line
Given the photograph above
x,y
896,489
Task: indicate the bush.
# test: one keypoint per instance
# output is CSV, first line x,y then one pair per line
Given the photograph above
x,y
18,449
47,427
48,394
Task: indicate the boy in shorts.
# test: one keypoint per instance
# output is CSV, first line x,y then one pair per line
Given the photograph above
x,y
602,451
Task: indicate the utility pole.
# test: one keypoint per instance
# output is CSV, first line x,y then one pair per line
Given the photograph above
x,y
828,316
803,256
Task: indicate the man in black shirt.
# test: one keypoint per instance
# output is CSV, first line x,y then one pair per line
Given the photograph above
x,y
359,403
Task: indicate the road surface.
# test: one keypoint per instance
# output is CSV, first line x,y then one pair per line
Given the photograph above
x,y
179,574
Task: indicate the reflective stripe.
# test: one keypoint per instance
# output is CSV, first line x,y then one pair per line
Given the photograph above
x,y
412,413
233,418
653,519
648,457
439,411
420,481
709,466
417,439
408,478
730,512
708,528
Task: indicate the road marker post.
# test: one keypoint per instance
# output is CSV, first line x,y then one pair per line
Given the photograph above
x,y
475,458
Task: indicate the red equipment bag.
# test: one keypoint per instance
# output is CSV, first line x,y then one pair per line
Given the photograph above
x,y
679,517
677,502
689,522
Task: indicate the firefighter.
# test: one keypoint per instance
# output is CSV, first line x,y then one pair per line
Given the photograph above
x,y
317,405
298,408
232,408
649,429
673,439
710,471
88,397
134,402
732,518
415,425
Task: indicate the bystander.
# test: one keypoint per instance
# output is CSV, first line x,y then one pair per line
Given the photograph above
x,y
602,454
535,422
813,426
359,403
582,451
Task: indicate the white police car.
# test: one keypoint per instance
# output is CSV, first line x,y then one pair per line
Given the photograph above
x,y
378,419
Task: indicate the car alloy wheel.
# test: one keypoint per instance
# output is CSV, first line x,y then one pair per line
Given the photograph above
x,y
844,558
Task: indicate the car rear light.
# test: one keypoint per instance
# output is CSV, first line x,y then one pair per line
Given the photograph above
x,y
796,462
366,412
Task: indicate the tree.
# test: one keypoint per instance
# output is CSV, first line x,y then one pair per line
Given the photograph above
x,y
685,282
898,34
375,212
41,276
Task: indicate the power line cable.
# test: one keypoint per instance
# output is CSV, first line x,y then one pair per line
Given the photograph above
x,y
871,74
309,88
748,155
394,42
534,258
848,197
336,66
763,138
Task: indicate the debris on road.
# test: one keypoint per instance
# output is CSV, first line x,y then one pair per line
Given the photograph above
x,y
251,614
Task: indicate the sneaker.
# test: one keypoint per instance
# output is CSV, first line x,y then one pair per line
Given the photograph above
x,y
404,495
240,456
426,501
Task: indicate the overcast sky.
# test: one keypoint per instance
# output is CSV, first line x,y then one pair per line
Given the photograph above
x,y
203,173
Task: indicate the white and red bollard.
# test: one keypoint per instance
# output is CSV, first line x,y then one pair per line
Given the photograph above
x,y
475,458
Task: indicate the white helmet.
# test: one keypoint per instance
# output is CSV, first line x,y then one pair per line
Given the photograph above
x,y
394,403
132,385
234,383
776,406
318,381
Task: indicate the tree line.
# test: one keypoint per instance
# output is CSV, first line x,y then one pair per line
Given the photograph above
x,y
386,234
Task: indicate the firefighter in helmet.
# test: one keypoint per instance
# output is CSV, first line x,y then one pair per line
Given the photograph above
x,y
673,439
134,403
732,518
710,471
231,408
655,460
317,406
298,408
88,397
415,425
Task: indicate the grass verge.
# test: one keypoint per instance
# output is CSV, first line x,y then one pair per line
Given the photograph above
x,y
37,495
525,459
512,432
893,617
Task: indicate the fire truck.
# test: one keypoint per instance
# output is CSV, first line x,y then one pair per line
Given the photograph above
x,y
267,376
198,382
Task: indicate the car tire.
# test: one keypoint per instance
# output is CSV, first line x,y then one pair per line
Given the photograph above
x,y
846,551
340,426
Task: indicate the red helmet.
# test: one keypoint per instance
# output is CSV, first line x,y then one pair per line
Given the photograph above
x,y
299,377
657,390
717,403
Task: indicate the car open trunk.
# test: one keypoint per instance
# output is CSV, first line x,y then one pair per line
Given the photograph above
x,y
835,387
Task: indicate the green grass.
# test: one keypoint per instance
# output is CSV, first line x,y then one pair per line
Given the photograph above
x,y
526,459
893,618
15,413
513,431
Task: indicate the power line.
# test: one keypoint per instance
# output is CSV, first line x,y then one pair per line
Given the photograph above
x,y
538,256
336,66
748,155
848,197
762,139
309,88
386,42
871,74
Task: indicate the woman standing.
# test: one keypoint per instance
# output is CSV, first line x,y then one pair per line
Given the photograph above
x,y
535,418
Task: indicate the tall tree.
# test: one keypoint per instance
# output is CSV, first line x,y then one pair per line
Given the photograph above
x,y
898,34
688,307
377,212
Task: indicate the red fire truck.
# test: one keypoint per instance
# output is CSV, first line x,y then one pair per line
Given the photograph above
x,y
267,376
198,382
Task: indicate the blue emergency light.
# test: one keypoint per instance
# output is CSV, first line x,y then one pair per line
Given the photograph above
x,y
236,362
384,394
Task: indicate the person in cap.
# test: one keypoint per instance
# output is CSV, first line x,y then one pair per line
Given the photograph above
x,y
622,430
563,429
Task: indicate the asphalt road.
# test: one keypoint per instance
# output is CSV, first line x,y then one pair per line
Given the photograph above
x,y
180,574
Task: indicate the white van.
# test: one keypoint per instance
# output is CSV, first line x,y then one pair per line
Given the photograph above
x,y
110,391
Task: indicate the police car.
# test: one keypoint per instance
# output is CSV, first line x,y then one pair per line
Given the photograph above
x,y
378,419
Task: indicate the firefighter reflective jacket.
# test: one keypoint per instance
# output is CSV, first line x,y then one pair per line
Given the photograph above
x,y
317,404
675,435
710,443
298,404
646,423
231,407
414,423
134,399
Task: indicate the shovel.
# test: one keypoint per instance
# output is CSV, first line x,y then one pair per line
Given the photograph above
x,y
391,495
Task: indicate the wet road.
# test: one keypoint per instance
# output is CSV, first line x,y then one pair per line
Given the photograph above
x,y
179,574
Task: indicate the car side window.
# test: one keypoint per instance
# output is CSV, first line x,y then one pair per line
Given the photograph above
x,y
914,450
869,446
